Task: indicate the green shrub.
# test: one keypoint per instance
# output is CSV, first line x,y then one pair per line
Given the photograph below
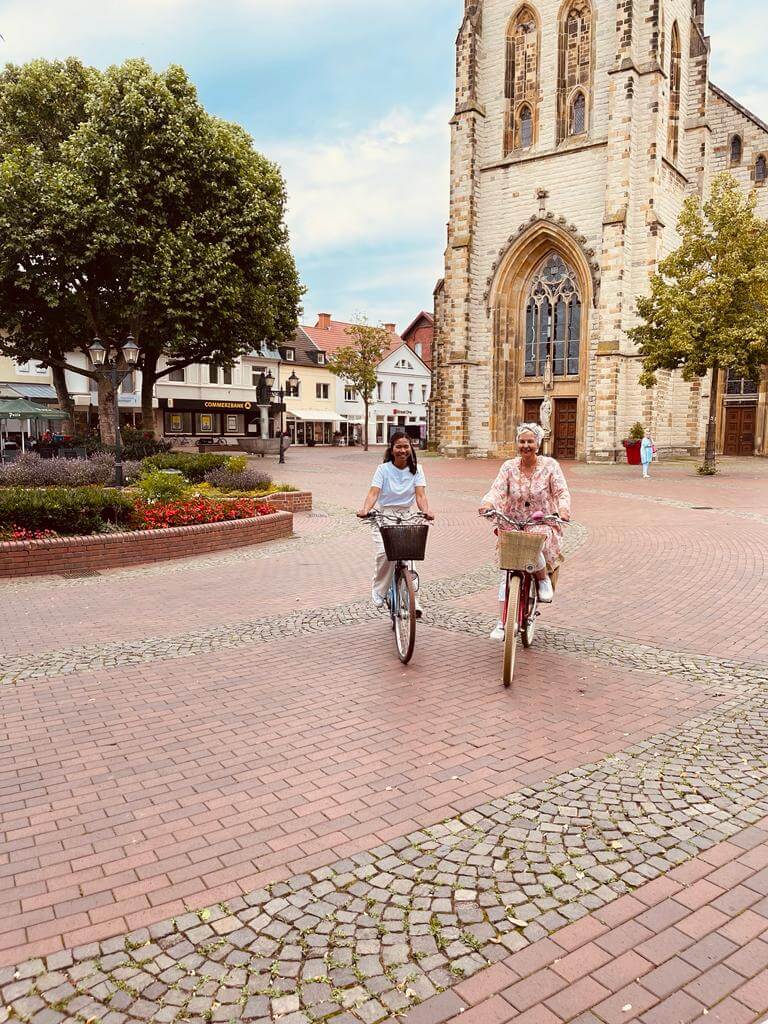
x,y
65,510
161,485
194,467
236,464
637,432
705,470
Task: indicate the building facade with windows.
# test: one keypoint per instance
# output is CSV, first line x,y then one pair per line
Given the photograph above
x,y
580,128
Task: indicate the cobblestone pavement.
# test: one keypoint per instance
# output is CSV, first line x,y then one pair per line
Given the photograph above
x,y
375,933
258,814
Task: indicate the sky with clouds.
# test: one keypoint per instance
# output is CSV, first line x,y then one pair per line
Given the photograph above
x,y
352,98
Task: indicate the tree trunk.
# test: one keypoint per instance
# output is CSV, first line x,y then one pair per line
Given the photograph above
x,y
64,399
714,398
148,371
365,427
107,424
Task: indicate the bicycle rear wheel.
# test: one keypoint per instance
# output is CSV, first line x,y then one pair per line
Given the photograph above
x,y
405,614
529,622
510,630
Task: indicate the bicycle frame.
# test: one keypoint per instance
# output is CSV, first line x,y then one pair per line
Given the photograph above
x,y
401,597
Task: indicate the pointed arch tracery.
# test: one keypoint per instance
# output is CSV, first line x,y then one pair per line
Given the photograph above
x,y
675,87
521,82
553,320
574,89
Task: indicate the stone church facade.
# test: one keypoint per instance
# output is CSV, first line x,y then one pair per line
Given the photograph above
x,y
580,128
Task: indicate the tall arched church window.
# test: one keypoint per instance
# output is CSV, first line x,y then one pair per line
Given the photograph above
x,y
736,149
553,320
574,87
675,86
521,85
578,119
761,170
525,127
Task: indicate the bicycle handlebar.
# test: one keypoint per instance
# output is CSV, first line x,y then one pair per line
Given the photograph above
x,y
397,518
493,513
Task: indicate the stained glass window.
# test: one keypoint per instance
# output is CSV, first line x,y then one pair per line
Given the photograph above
x,y
553,320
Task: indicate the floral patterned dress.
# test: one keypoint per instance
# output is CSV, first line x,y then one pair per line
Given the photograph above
x,y
518,496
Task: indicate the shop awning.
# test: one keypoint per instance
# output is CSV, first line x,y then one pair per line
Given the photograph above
x,y
40,392
20,409
314,415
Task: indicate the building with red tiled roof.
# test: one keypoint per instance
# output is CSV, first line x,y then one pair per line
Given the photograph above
x,y
419,335
330,335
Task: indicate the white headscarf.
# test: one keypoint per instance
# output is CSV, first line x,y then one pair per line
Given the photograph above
x,y
531,428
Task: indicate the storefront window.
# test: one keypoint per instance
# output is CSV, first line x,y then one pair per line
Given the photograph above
x,y
207,423
178,422
234,424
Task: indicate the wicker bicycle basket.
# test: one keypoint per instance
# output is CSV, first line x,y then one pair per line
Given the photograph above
x,y
405,543
519,550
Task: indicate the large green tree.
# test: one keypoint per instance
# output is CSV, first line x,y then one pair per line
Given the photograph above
x,y
356,363
126,208
707,309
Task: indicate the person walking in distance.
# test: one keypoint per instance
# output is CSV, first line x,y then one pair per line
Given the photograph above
x,y
646,454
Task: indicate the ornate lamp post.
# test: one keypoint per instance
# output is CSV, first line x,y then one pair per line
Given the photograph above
x,y
108,369
265,390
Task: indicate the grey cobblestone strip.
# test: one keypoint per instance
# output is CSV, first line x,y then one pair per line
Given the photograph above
x,y
739,513
92,657
373,935
623,654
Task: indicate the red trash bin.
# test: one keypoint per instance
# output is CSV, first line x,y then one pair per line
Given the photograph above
x,y
632,449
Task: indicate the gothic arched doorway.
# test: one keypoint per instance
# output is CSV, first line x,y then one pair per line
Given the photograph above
x,y
541,300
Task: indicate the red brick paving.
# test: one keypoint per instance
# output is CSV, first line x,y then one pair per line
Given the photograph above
x,y
131,792
671,978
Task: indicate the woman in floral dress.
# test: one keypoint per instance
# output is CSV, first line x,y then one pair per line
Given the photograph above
x,y
531,483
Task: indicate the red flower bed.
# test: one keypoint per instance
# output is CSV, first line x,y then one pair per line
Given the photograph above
x,y
22,533
192,511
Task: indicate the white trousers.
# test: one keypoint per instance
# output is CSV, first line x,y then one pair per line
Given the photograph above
x,y
541,564
384,569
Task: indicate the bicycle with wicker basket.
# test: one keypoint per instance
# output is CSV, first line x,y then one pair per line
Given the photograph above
x,y
405,540
518,554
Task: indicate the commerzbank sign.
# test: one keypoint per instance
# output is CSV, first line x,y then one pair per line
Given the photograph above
x,y
227,405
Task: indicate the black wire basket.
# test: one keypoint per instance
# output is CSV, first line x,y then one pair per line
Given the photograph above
x,y
405,543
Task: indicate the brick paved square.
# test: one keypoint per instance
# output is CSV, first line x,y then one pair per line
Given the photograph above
x,y
231,798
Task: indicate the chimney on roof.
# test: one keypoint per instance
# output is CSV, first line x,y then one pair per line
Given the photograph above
x,y
324,321
390,328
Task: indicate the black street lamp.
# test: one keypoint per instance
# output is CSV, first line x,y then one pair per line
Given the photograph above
x,y
266,390
107,369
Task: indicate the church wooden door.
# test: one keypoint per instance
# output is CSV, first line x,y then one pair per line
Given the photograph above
x,y
565,428
531,407
740,422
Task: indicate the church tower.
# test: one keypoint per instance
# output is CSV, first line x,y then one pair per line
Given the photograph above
x,y
580,127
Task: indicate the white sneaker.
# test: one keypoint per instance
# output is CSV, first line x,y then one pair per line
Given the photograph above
x,y
377,599
546,593
497,633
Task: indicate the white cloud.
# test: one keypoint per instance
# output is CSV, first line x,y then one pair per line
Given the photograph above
x,y
388,182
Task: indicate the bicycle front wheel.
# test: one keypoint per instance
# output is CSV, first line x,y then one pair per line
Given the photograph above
x,y
529,622
405,614
510,630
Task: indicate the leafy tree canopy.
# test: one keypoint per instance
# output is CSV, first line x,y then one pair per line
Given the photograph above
x,y
125,206
708,304
356,363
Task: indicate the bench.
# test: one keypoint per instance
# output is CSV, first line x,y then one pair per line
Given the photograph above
x,y
263,445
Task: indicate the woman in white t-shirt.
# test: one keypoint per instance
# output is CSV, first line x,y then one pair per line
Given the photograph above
x,y
397,484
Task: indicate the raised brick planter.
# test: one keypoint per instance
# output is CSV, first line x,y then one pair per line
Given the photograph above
x,y
291,501
110,551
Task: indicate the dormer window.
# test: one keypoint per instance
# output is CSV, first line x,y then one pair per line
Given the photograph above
x,y
290,355
321,358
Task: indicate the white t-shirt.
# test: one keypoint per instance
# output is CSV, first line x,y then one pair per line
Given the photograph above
x,y
398,486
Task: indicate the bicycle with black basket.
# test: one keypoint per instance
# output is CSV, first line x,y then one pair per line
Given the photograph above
x,y
404,535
